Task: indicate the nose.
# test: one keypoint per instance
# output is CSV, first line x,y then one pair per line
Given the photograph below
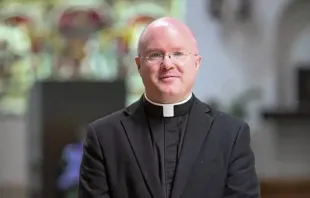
x,y
167,63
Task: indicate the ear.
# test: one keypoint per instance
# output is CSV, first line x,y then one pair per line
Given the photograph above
x,y
138,63
197,61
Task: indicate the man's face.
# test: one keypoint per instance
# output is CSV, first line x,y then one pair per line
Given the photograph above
x,y
168,64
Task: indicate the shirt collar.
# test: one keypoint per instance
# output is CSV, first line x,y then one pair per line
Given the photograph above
x,y
168,110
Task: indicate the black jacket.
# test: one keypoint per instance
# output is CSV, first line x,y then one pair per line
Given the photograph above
x,y
216,160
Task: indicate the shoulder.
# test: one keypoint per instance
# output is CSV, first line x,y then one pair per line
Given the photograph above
x,y
229,126
227,119
104,128
228,130
108,120
223,119
113,120
224,125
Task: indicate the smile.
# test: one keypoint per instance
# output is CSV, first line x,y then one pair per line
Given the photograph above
x,y
167,77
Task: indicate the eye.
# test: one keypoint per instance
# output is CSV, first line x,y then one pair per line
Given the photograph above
x,y
178,54
155,55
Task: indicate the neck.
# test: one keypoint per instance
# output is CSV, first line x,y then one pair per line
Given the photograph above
x,y
175,102
177,108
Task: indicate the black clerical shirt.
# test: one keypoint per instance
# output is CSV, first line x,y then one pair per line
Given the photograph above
x,y
167,124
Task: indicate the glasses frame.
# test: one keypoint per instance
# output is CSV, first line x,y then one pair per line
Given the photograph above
x,y
187,54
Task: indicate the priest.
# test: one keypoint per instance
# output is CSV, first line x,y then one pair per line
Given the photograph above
x,y
168,144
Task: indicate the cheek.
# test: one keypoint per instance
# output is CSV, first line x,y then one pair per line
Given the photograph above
x,y
149,71
152,70
188,73
182,69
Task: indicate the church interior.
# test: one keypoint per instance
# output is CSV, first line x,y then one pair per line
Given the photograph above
x,y
64,64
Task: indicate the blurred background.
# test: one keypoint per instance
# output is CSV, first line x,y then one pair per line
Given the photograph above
x,y
66,63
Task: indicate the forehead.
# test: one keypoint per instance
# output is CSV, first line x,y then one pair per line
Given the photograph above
x,y
166,39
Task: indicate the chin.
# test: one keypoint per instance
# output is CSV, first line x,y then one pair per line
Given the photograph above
x,y
169,91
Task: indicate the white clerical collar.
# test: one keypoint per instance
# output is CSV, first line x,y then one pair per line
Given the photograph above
x,y
168,109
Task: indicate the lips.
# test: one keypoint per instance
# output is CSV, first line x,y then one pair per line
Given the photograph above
x,y
168,76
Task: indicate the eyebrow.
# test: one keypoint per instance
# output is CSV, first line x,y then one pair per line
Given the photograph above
x,y
152,50
178,49
161,50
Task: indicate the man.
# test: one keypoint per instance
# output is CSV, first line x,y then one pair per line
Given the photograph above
x,y
168,144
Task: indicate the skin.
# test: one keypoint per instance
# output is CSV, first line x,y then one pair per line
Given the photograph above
x,y
168,82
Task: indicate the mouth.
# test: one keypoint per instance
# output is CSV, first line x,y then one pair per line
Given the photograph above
x,y
168,77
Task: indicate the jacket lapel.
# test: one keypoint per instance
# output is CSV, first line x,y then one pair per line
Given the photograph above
x,y
198,127
138,134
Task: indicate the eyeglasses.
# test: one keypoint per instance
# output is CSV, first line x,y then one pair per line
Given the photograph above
x,y
158,57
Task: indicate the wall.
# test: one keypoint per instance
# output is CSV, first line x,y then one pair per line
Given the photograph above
x,y
13,174
258,53
291,26
237,56
300,51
